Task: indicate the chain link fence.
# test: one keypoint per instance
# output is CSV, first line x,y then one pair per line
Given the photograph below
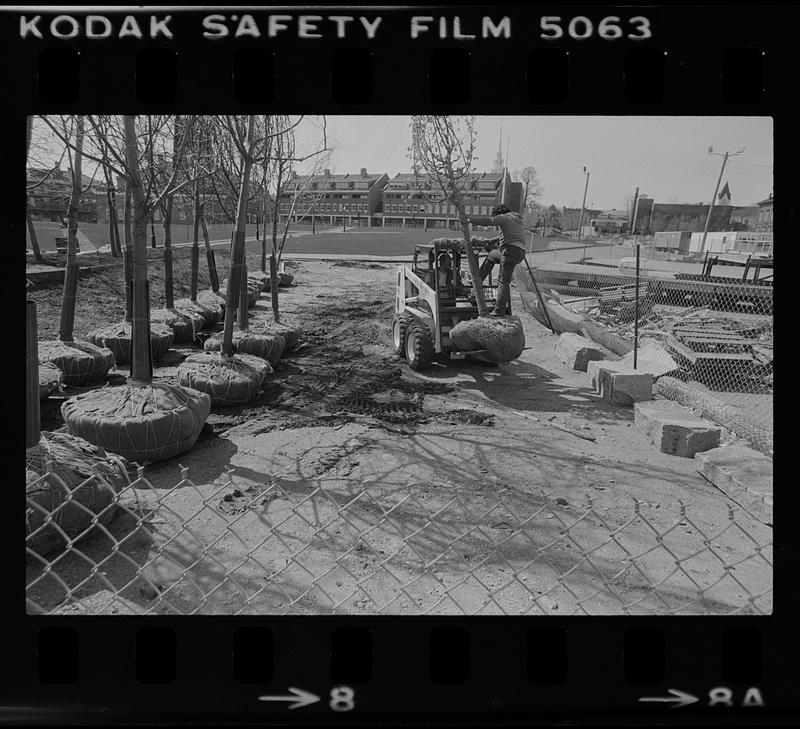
x,y
704,329
279,547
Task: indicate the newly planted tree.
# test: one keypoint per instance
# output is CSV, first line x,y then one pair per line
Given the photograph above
x,y
168,165
143,420
81,362
108,139
230,378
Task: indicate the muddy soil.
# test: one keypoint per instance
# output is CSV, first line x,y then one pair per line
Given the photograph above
x,y
355,485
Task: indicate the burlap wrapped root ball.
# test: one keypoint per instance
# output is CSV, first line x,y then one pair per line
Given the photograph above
x,y
501,337
253,292
143,423
284,279
212,300
80,362
210,312
184,324
70,486
260,279
50,380
267,345
117,338
291,334
226,380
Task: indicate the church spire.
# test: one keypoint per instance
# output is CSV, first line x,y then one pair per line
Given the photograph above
x,y
499,164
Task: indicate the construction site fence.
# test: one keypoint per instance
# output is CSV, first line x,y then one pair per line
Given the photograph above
x,y
326,547
712,333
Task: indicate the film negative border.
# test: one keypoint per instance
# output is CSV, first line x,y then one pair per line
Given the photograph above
x,y
712,60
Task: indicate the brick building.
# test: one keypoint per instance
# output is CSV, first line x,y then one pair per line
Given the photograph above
x,y
414,201
49,192
349,199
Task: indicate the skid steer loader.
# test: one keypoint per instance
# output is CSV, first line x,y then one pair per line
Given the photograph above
x,y
431,297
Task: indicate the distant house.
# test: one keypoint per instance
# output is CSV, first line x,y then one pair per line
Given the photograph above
x,y
49,192
764,221
744,218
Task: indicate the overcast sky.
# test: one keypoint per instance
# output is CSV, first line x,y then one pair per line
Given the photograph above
x,y
666,157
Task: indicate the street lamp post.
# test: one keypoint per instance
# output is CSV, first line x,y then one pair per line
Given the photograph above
x,y
583,204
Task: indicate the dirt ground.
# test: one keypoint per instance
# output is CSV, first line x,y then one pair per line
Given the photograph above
x,y
355,485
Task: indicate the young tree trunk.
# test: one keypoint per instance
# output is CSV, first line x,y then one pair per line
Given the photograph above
x,y
237,253
37,253
273,270
32,414
128,254
212,263
169,285
67,324
472,259
241,315
273,277
141,362
113,228
195,246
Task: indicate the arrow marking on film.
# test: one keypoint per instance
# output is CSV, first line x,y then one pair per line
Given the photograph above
x,y
300,698
678,698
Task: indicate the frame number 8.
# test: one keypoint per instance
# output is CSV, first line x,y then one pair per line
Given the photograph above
x,y
342,699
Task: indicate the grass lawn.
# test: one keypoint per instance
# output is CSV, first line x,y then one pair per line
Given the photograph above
x,y
363,241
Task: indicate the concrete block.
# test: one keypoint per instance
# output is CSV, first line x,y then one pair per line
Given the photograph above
x,y
652,358
743,474
619,384
673,429
576,351
594,368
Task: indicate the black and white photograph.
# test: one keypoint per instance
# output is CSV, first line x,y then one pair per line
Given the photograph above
x,y
452,365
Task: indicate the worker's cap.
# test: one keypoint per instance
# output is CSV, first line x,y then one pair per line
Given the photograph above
x,y
500,210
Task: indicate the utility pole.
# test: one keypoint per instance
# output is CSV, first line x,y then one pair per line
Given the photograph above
x,y
634,210
725,157
583,205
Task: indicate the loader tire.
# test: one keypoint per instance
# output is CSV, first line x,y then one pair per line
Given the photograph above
x,y
400,326
419,346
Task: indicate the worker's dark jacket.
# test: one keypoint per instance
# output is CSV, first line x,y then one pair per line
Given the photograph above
x,y
510,224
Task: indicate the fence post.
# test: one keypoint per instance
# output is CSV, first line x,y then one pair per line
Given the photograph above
x,y
32,420
636,312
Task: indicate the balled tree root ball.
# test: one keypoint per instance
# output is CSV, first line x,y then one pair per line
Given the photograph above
x,y
260,279
117,338
212,300
227,380
253,292
210,312
285,279
81,362
50,380
142,423
268,346
69,483
501,337
185,325
290,333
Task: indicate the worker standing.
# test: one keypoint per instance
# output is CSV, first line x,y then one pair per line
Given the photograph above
x,y
511,251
